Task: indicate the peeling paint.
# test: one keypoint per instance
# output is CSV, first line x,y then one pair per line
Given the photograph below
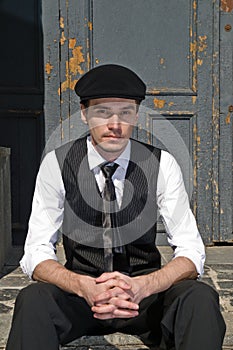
x,y
193,47
195,11
228,118
88,55
194,99
191,32
162,60
62,22
227,5
193,51
48,68
199,62
63,38
155,92
90,25
159,103
194,78
73,67
202,45
195,156
76,60
215,185
72,43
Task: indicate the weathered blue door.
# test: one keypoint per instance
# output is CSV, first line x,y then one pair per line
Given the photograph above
x,y
177,47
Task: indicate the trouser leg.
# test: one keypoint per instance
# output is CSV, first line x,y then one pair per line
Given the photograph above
x,y
45,316
192,318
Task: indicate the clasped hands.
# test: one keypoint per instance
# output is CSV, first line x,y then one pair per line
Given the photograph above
x,y
115,295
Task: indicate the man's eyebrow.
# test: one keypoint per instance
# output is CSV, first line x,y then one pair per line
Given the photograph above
x,y
131,106
100,106
103,106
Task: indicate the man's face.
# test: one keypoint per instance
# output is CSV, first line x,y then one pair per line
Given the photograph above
x,y
111,121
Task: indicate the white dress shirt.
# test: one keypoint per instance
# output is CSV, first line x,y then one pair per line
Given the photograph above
x,y
47,208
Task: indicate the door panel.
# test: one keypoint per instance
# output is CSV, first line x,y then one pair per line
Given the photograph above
x,y
226,127
146,36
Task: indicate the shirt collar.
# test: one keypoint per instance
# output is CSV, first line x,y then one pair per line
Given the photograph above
x,y
95,159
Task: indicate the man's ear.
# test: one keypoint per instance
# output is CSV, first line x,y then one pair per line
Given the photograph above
x,y
136,119
83,113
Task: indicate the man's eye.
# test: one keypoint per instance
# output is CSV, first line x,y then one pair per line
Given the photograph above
x,y
102,111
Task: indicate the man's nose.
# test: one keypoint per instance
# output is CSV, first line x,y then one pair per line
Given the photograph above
x,y
114,121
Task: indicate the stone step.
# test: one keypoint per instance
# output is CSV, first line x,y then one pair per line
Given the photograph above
x,y
109,342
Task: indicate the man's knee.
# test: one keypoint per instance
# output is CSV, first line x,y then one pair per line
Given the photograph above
x,y
203,294
32,294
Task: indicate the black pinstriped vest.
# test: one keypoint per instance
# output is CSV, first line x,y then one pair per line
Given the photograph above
x,y
136,219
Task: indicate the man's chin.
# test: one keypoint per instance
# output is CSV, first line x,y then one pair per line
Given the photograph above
x,y
113,145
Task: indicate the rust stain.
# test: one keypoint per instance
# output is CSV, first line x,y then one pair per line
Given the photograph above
x,y
90,25
48,68
97,61
170,104
228,118
63,38
199,62
72,43
159,103
198,140
227,5
62,22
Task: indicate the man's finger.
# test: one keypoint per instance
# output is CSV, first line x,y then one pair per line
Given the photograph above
x,y
111,293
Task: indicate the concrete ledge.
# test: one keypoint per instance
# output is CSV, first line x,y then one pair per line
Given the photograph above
x,y
5,208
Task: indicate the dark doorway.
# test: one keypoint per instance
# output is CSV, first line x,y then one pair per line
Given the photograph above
x,y
21,102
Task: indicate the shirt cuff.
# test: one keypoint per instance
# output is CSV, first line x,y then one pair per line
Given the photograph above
x,y
198,258
31,259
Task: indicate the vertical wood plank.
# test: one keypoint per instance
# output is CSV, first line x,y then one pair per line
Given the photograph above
x,y
226,128
204,119
51,30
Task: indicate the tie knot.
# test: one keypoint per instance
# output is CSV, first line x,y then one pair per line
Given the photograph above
x,y
109,169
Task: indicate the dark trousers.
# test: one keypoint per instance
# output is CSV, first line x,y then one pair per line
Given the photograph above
x,y
186,316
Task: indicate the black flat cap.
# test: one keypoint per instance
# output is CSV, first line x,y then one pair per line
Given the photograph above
x,y
110,80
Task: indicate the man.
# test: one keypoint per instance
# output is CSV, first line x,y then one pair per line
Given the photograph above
x,y
105,189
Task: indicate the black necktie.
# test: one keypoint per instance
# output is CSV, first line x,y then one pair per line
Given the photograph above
x,y
109,207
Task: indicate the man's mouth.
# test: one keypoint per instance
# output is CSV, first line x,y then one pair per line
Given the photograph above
x,y
112,137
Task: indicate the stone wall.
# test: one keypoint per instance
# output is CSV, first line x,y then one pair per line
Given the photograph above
x,y
5,204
